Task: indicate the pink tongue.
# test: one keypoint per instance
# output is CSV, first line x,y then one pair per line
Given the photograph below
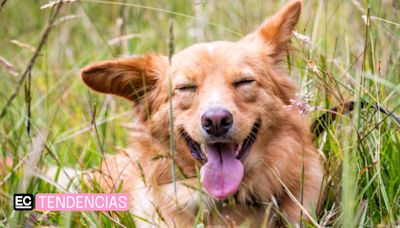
x,y
223,173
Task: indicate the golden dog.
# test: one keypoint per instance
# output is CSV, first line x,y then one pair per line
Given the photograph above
x,y
236,147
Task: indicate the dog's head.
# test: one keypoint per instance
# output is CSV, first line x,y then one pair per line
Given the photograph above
x,y
225,96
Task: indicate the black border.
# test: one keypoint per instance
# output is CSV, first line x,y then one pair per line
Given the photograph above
x,y
24,209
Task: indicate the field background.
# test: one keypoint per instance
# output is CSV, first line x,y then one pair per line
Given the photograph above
x,y
353,54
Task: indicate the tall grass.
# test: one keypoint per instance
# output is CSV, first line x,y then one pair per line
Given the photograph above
x,y
353,54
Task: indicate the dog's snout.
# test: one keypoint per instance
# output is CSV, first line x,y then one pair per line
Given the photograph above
x,y
217,122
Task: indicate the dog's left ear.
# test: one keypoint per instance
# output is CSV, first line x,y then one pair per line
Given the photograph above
x,y
129,78
276,31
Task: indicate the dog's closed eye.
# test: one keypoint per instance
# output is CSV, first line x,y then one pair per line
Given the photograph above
x,y
186,88
243,82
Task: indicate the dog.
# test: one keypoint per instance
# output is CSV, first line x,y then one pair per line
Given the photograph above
x,y
214,143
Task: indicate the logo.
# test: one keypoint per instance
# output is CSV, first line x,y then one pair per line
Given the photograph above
x,y
24,202
71,202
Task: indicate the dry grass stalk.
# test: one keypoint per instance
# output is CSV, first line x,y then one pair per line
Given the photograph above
x,y
10,68
23,45
37,147
66,18
121,39
301,37
31,62
53,3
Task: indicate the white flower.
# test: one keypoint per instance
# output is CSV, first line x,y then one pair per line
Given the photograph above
x,y
301,103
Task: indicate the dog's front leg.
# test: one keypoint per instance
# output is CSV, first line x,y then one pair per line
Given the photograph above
x,y
301,200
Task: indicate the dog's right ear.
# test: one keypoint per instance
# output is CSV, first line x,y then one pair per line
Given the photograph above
x,y
276,31
130,78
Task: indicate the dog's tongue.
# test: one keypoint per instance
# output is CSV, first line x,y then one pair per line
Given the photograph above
x,y
223,173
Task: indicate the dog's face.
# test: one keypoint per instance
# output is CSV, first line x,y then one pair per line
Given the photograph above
x,y
225,96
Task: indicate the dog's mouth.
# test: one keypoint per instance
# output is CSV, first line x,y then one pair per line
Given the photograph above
x,y
223,170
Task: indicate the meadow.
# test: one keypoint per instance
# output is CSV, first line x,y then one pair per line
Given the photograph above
x,y
344,50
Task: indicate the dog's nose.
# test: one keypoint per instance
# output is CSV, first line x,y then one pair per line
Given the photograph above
x,y
216,121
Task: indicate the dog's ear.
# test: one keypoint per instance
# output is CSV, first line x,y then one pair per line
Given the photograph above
x,y
130,78
276,31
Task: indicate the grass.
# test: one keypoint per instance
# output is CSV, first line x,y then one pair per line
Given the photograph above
x,y
354,54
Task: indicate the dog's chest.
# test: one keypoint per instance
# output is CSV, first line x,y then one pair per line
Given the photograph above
x,y
162,208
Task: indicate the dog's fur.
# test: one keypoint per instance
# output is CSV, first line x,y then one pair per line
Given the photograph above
x,y
244,77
